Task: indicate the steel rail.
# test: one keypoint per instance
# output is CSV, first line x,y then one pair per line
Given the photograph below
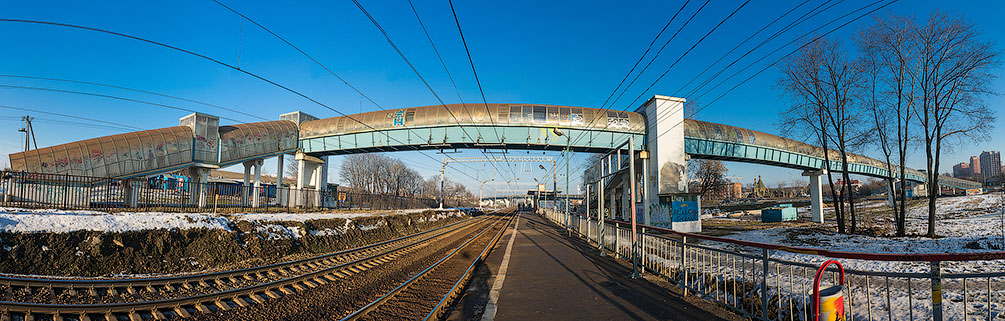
x,y
463,280
297,282
390,294
200,277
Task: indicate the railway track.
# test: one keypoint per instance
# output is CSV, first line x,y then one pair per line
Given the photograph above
x,y
203,294
428,293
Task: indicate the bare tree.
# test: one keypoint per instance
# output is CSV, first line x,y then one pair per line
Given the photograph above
x,y
291,166
888,56
375,173
707,176
953,75
823,83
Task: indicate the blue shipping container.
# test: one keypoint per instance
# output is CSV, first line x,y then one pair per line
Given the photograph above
x,y
778,214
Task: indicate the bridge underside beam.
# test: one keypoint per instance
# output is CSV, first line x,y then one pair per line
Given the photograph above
x,y
477,137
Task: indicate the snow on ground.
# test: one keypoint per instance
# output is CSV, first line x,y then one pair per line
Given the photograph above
x,y
20,220
62,221
965,224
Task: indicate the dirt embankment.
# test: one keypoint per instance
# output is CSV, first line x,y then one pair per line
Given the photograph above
x,y
247,243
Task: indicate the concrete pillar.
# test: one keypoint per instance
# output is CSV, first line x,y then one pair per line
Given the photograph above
x,y
279,181
310,173
197,188
301,182
816,196
245,184
667,167
255,200
626,196
131,193
316,180
646,208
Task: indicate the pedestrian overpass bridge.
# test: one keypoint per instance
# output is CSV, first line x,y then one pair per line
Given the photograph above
x,y
658,126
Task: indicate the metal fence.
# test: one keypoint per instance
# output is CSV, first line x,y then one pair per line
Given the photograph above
x,y
34,190
753,280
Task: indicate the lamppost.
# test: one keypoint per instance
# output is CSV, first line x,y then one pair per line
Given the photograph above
x,y
568,143
480,190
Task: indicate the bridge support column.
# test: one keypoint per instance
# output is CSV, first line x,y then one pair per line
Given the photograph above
x,y
131,192
309,174
254,187
667,168
198,188
246,183
816,197
280,196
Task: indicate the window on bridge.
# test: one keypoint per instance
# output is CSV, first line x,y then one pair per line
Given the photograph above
x,y
540,114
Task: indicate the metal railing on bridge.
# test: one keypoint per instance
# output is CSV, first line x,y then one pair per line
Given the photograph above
x,y
744,276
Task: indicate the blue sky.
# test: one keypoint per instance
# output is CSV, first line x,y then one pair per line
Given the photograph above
x,y
563,52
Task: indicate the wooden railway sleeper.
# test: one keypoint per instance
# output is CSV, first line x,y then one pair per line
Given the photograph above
x,y
222,305
181,311
240,301
272,294
157,314
203,308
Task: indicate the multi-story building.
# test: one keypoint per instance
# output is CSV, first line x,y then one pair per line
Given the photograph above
x,y
962,170
991,165
975,166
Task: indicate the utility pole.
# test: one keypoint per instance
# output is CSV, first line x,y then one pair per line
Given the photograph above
x,y
29,133
443,169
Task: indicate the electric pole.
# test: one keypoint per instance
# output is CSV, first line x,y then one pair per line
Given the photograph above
x,y
29,133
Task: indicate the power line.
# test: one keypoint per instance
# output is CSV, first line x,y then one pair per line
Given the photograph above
x,y
165,45
447,71
741,44
799,48
685,54
475,72
623,90
317,62
805,17
674,63
643,56
71,116
387,37
108,96
135,90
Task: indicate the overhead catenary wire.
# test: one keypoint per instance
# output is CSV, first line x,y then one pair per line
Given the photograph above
x,y
134,90
477,80
401,54
447,71
71,116
805,17
189,52
315,61
109,97
659,135
699,41
800,47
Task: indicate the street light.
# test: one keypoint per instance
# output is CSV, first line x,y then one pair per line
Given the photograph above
x,y
480,191
568,144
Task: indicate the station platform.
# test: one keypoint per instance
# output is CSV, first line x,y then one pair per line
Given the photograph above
x,y
550,276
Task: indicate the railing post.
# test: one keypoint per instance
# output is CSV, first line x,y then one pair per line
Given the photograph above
x,y
937,291
764,284
617,239
683,265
